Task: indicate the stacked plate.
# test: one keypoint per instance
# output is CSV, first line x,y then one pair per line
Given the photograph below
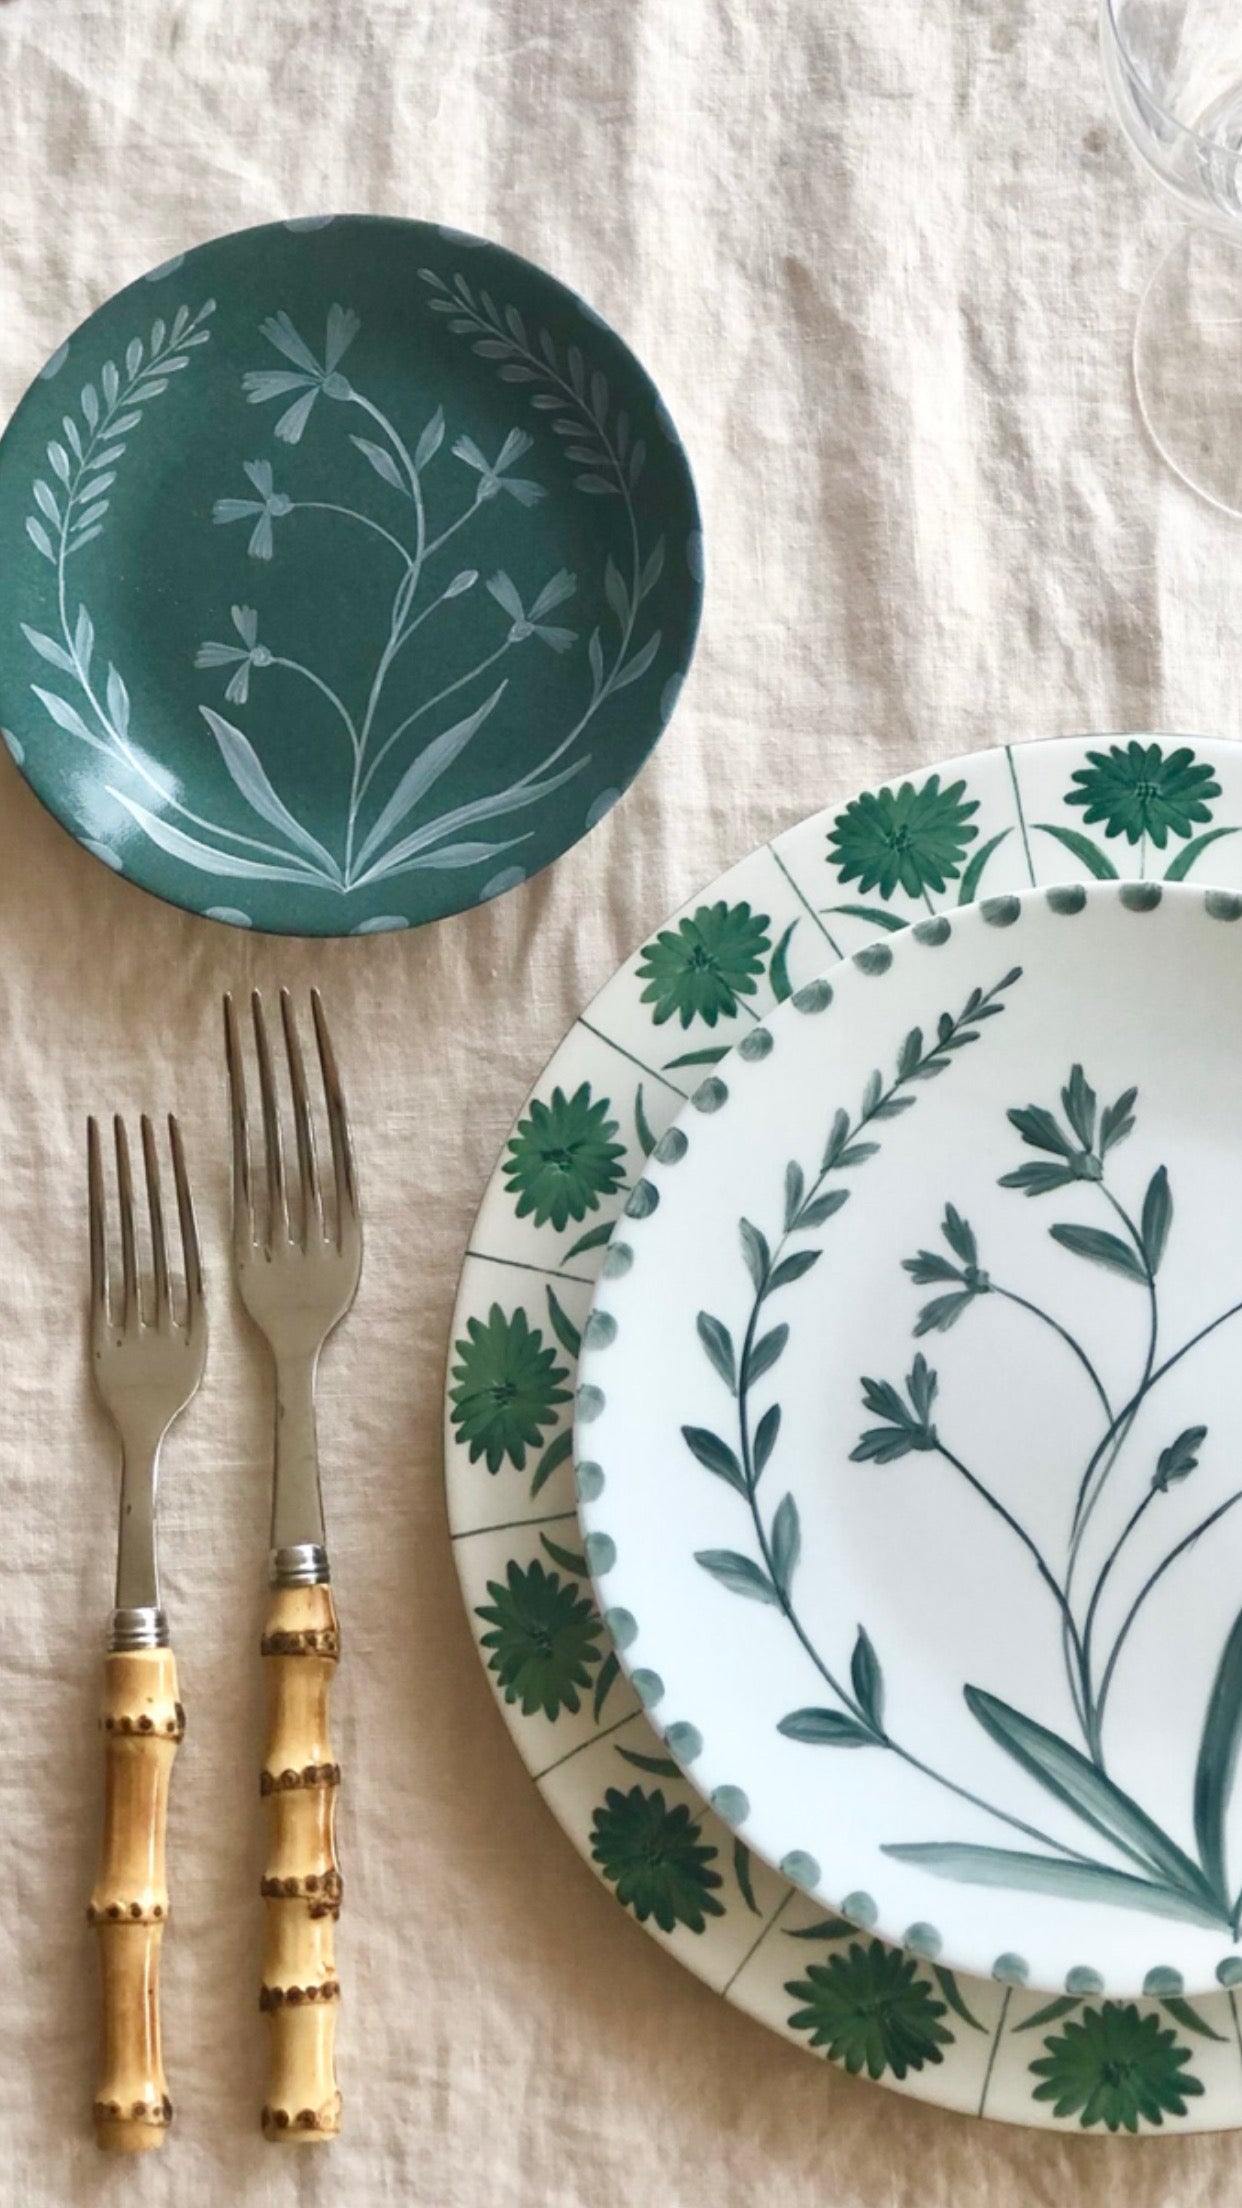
x,y
906,1427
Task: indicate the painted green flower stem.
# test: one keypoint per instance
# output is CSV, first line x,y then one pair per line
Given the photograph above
x,y
1024,1304
1016,1527
849,1701
1187,1542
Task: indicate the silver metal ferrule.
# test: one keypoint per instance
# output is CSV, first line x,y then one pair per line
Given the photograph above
x,y
145,1627
305,1564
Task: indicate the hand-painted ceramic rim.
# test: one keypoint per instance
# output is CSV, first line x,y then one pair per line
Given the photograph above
x,y
226,506
1078,809
1191,1918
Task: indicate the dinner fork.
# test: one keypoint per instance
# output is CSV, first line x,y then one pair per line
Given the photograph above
x,y
147,1360
297,1257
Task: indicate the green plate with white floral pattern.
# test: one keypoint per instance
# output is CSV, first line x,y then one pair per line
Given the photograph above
x,y
352,568
1076,810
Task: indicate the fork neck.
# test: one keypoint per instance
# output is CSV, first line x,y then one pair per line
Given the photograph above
x,y
299,1557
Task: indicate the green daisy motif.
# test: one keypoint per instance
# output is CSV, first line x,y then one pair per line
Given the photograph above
x,y
700,969
506,1390
1136,790
562,1158
871,2010
904,839
656,1859
1112,2066
545,1638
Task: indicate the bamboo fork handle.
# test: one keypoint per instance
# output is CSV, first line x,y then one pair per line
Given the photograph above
x,y
302,1879
143,1723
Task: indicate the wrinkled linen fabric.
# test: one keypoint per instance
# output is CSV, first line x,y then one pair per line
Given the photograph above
x,y
883,261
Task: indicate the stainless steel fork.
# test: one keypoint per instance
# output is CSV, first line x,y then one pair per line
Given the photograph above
x,y
147,1353
297,1253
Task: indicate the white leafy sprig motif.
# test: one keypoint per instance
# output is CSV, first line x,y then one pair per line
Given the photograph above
x,y
597,441
72,504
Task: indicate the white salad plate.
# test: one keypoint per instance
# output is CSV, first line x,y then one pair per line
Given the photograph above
x,y
912,1401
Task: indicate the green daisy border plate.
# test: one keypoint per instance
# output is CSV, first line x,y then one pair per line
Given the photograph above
x,y
1074,809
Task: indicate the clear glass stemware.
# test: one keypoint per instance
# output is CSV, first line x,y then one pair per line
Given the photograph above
x,y
1174,69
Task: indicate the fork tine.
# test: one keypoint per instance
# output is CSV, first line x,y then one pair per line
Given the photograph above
x,y
312,1194
277,1212
99,1232
130,1312
191,1255
243,1197
338,1127
159,1248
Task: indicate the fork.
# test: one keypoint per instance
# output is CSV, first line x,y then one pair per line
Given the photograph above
x,y
147,1361
297,1260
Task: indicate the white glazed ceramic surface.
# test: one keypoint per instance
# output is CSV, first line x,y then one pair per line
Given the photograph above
x,y
912,1397
1077,809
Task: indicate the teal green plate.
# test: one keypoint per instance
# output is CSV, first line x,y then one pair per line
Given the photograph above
x,y
352,568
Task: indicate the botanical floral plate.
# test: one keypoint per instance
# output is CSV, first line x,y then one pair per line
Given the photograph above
x,y
1079,809
908,1423
352,568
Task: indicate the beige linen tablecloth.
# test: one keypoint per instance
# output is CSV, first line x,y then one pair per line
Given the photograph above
x,y
883,260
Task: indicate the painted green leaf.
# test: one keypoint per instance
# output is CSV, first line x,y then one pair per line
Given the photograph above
x,y
876,916
570,1560
910,1053
1190,2019
1046,1874
952,1992
594,1240
778,971
1102,1249
1218,1761
715,1455
838,1136
606,1679
1179,1460
786,1543
795,1189
1051,2013
1074,1780
765,1436
1179,868
968,888
826,1729
552,1459
1117,1121
824,1928
568,1335
1079,1100
646,1139
1082,848
718,1342
1157,1218
711,1056
663,1767
792,1268
756,1253
821,1208
868,1680
741,1872
764,1353
738,1573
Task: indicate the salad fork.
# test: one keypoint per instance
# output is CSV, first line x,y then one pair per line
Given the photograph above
x,y
297,1255
147,1360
